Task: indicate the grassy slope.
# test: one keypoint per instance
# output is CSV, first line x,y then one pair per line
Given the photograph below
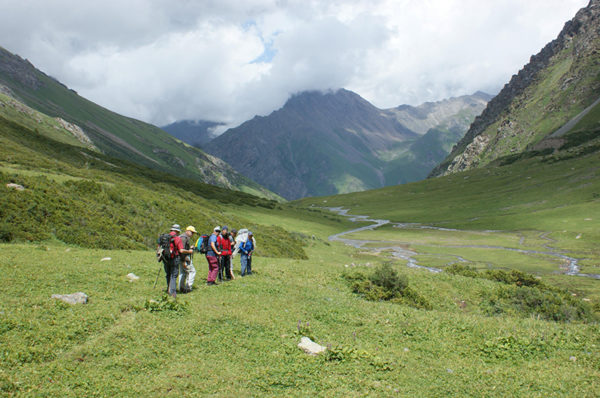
x,y
561,91
240,338
86,198
136,141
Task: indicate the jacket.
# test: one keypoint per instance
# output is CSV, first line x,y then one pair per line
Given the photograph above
x,y
225,245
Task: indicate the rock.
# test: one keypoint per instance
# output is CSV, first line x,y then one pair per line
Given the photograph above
x,y
310,347
74,298
406,349
588,219
132,277
587,300
449,371
572,358
106,259
15,187
578,236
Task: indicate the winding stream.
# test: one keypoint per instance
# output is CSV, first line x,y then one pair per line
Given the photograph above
x,y
409,255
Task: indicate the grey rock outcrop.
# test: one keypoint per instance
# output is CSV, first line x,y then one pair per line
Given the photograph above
x,y
16,187
310,347
74,298
132,277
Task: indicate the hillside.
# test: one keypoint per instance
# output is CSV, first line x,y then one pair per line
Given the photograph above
x,y
115,135
479,328
336,142
77,195
504,317
555,86
193,132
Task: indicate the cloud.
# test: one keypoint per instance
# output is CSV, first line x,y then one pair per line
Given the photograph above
x,y
226,60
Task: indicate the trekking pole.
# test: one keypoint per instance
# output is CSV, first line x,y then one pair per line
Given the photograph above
x,y
156,281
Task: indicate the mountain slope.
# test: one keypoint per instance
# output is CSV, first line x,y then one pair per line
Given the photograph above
x,y
557,84
337,142
193,132
113,134
77,195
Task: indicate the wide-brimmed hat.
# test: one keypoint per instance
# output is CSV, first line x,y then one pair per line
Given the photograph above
x,y
191,228
217,229
176,227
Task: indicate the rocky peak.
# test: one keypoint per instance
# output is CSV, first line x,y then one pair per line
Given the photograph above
x,y
585,25
19,69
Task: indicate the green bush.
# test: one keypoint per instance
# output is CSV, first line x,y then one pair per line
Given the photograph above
x,y
385,284
462,269
552,305
512,277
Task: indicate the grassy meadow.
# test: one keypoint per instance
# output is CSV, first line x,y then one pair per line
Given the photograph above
x,y
500,320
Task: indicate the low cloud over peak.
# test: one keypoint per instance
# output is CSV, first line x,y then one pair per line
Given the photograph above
x,y
227,60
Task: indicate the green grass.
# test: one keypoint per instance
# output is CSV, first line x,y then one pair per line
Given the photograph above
x,y
239,338
82,197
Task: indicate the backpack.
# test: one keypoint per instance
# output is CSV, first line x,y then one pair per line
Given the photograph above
x,y
164,247
202,244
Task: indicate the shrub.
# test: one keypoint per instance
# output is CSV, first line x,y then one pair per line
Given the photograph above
x,y
513,277
552,305
462,269
385,284
388,279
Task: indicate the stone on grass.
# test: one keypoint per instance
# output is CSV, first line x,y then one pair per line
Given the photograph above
x,y
132,277
106,259
16,187
74,298
572,358
310,347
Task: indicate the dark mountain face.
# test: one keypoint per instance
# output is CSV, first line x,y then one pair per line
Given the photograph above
x,y
335,142
193,132
555,86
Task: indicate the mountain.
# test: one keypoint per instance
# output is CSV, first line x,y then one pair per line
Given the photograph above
x,y
113,134
558,83
322,143
193,132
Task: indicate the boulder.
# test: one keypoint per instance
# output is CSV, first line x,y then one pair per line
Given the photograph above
x,y
15,186
74,298
132,277
310,347
106,259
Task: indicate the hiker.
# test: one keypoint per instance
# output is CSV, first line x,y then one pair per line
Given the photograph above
x,y
211,256
171,262
246,250
224,244
187,272
232,237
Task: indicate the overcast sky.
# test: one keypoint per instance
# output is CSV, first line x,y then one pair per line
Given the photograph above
x,y
227,60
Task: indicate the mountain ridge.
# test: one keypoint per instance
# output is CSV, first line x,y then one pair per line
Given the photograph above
x,y
116,135
335,141
557,83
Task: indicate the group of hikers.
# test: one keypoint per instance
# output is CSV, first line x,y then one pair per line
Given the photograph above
x,y
176,251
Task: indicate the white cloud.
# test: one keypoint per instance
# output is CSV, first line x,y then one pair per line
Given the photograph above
x,y
160,61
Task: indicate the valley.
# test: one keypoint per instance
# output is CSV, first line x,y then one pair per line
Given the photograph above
x,y
482,280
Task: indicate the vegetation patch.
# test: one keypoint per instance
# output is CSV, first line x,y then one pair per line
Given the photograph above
x,y
167,304
514,348
525,295
385,284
